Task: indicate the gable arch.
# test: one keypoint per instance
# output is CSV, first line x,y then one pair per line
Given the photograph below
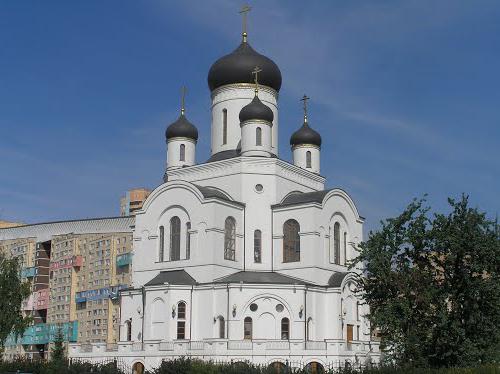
x,y
337,192
158,191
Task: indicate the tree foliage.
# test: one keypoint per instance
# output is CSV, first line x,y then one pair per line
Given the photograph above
x,y
57,353
432,284
12,293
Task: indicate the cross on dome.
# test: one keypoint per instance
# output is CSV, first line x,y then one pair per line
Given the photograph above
x,y
244,12
183,99
255,73
304,100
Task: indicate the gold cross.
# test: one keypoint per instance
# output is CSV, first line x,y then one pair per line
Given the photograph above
x,y
244,12
183,98
304,99
256,72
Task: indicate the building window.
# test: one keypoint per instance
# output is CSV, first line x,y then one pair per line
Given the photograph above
x,y
247,328
162,243
182,155
285,329
230,239
222,327
175,239
345,248
291,241
188,240
308,159
128,330
257,246
224,126
336,242
258,136
181,320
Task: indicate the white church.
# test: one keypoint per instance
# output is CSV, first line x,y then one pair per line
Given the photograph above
x,y
243,257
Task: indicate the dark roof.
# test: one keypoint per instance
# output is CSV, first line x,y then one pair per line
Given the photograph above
x,y
181,128
303,198
305,135
209,192
237,67
260,277
256,110
224,155
172,277
336,279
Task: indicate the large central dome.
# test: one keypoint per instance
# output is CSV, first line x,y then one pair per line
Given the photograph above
x,y
237,67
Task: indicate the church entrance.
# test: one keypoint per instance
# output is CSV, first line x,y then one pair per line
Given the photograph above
x,y
138,368
278,368
314,368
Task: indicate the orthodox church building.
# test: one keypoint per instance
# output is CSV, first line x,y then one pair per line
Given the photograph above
x,y
243,257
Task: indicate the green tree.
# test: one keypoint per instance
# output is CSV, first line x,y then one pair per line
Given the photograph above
x,y
57,352
432,284
12,293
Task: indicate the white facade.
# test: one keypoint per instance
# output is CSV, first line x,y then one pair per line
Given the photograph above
x,y
307,156
181,152
244,258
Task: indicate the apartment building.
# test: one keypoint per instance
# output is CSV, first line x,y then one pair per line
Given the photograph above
x,y
76,270
133,201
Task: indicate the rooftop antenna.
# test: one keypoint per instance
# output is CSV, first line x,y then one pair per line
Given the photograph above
x,y
183,99
244,12
256,72
304,99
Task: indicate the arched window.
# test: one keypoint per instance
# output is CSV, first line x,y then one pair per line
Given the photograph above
x,y
182,153
224,126
175,239
222,327
247,328
257,246
258,136
336,242
308,159
291,241
162,244
345,248
188,240
181,320
230,239
128,330
285,329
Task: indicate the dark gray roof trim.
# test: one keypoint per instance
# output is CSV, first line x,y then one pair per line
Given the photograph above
x,y
224,155
303,198
336,279
209,192
260,277
172,277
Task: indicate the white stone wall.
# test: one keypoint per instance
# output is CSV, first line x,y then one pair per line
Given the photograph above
x,y
299,154
173,153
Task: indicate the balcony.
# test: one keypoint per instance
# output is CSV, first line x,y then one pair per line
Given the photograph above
x,y
67,262
29,272
45,333
99,294
124,259
41,299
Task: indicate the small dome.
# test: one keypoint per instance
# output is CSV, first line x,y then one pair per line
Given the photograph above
x,y
256,110
305,135
237,67
182,128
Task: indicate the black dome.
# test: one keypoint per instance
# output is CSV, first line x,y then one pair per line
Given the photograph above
x,y
305,135
237,67
256,110
182,128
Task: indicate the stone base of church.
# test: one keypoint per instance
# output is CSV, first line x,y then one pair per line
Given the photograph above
x,y
296,354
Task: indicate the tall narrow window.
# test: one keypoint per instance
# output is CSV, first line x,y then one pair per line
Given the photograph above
x,y
181,320
247,328
222,327
224,126
291,241
188,240
230,239
182,153
162,244
128,330
258,136
308,159
336,242
345,248
257,246
175,239
285,329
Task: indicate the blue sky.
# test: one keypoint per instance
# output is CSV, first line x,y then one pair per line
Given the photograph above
x,y
405,94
